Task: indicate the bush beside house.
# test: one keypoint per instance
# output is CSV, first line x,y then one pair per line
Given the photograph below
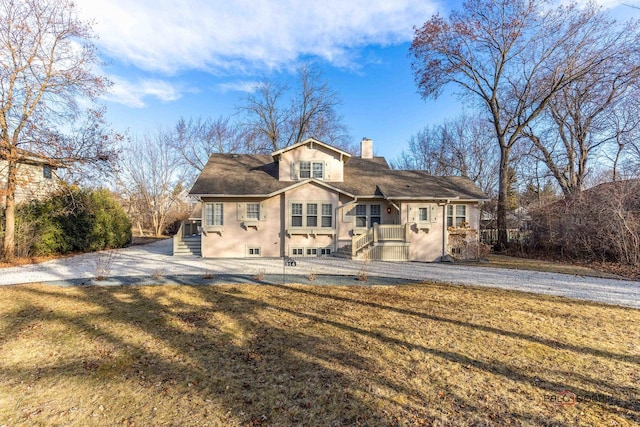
x,y
599,224
71,220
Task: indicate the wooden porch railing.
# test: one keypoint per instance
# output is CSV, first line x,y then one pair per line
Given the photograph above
x,y
387,232
361,241
379,233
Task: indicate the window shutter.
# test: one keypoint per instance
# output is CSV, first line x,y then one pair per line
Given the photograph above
x,y
241,212
263,211
412,214
434,213
294,173
327,170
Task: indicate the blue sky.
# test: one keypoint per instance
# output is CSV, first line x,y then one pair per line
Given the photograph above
x,y
198,58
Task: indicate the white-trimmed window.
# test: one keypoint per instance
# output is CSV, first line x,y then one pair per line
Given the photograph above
x,y
296,214
325,251
423,214
310,169
361,216
47,172
327,215
318,170
374,211
254,251
312,251
305,170
312,214
367,215
456,215
297,252
213,214
253,211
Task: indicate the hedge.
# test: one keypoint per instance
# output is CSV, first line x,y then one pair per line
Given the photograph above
x,y
72,220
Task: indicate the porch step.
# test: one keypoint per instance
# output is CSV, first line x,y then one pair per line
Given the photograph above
x,y
188,246
343,252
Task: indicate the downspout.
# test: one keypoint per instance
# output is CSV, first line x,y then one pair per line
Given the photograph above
x,y
444,228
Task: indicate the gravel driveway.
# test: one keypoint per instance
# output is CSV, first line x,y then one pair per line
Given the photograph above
x,y
153,261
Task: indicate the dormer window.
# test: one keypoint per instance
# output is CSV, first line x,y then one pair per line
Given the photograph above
x,y
318,170
311,169
305,170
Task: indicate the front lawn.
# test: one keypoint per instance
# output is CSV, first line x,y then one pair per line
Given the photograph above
x,y
251,355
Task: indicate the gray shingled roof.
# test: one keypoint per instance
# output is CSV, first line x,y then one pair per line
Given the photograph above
x,y
256,174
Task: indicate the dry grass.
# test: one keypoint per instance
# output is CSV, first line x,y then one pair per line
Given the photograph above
x,y
312,355
533,264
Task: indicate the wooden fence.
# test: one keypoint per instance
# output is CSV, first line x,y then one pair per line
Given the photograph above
x,y
490,236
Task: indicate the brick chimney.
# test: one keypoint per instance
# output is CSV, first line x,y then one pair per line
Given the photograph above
x,y
366,148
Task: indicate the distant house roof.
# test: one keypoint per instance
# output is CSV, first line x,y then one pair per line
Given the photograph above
x,y
257,175
30,157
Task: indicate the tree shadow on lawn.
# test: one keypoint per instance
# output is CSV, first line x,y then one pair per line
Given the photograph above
x,y
235,355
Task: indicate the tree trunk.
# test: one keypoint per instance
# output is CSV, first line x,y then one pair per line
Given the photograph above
x,y
503,196
8,244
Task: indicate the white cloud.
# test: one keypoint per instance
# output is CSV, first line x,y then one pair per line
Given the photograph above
x,y
134,94
245,35
247,86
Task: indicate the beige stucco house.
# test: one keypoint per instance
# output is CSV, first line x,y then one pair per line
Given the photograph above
x,y
36,177
312,199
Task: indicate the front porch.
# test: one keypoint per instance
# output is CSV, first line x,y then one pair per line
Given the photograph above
x,y
386,242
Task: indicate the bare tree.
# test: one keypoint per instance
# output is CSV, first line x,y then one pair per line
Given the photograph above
x,y
625,122
150,180
589,113
512,57
279,115
46,64
463,146
197,139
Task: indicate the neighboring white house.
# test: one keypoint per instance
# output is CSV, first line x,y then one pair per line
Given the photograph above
x,y
312,199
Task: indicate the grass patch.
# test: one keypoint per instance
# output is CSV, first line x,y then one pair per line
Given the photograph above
x,y
313,355
533,264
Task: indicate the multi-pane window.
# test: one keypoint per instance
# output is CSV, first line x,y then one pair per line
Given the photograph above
x,y
318,170
213,214
312,215
254,251
361,216
366,219
305,169
253,210
312,251
327,215
46,172
309,169
456,215
297,252
423,214
296,214
375,214
325,251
